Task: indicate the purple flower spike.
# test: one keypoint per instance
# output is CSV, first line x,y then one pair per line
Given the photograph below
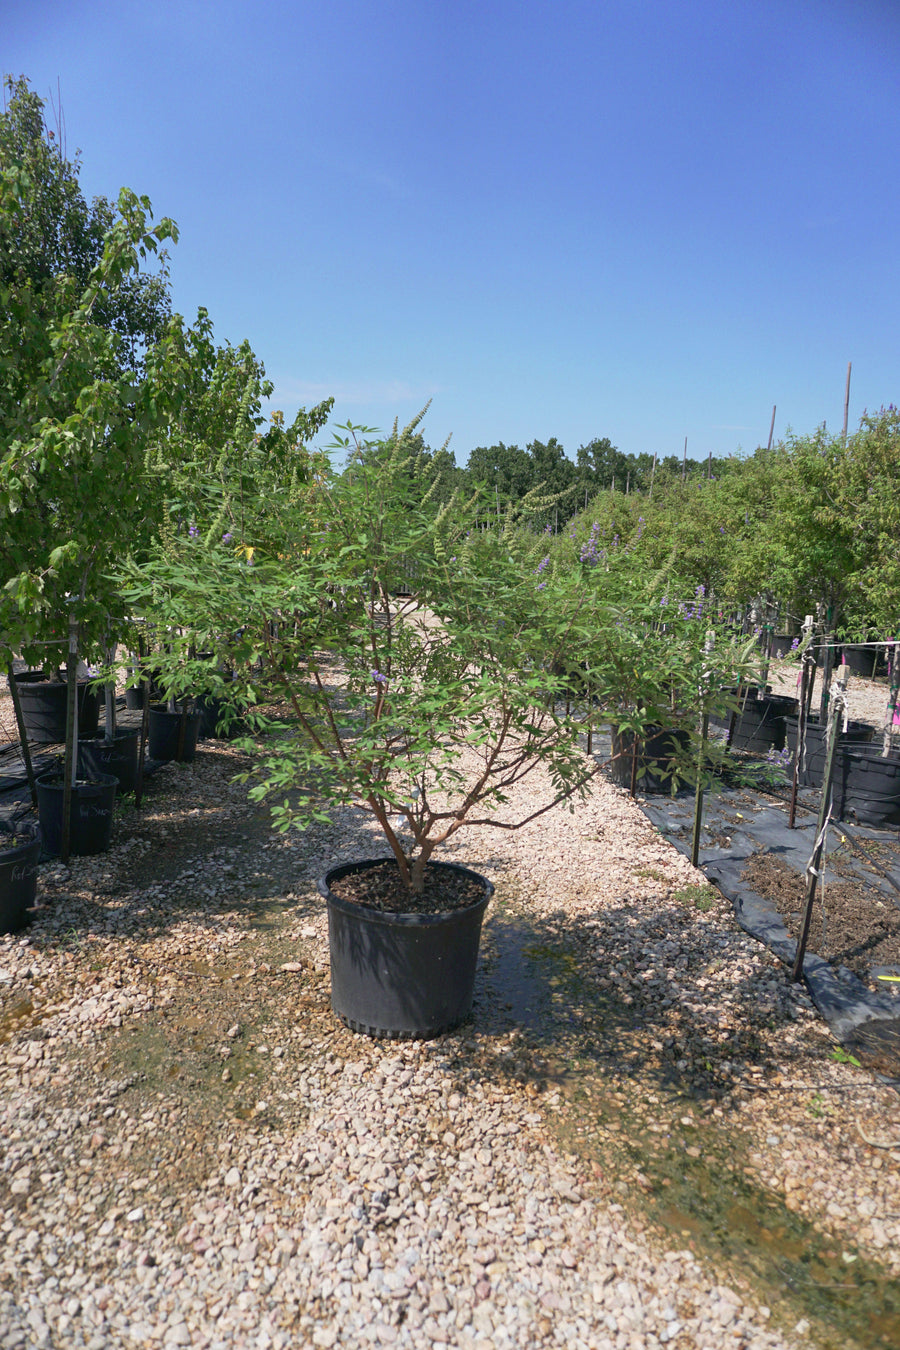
x,y
378,677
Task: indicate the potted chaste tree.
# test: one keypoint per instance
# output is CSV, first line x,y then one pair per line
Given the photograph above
x,y
418,667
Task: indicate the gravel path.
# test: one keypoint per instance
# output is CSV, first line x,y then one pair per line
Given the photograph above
x,y
195,1154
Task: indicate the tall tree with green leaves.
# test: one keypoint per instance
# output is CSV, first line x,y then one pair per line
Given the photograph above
x,y
77,403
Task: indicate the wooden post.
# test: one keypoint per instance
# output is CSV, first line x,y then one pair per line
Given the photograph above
x,y
144,686
652,476
827,668
847,399
807,680
771,428
701,760
698,796
71,756
109,699
684,461
23,735
815,862
800,750
893,698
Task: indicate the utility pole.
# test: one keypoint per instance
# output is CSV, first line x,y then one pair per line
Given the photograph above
x,y
847,399
771,428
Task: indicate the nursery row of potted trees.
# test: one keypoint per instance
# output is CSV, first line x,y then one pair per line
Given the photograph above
x,y
143,499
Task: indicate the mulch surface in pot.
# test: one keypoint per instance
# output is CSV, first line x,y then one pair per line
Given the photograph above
x,y
852,925
382,887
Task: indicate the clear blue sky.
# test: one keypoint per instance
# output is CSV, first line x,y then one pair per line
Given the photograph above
x,y
642,219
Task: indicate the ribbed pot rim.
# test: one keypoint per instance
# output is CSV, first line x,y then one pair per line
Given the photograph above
x,y
392,917
96,780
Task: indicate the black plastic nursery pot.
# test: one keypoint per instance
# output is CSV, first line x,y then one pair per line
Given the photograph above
x,y
866,786
134,696
211,726
760,725
44,708
18,874
656,752
98,755
90,815
813,768
782,644
402,976
173,735
862,660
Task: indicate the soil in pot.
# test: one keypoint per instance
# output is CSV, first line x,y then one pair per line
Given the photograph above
x,y
20,849
90,817
173,735
406,972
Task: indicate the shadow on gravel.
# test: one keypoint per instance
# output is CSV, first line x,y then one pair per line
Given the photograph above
x,y
638,1074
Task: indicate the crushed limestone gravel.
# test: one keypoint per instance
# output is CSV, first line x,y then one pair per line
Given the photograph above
x,y
194,1153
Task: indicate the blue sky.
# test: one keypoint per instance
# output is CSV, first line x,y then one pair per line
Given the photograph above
x,y
642,219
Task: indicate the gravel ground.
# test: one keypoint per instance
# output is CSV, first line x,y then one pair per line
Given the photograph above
x,y
196,1154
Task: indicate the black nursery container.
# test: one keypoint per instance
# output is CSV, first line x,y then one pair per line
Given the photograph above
x,y
97,755
656,752
90,815
18,874
173,735
811,774
866,786
864,661
402,976
44,708
760,725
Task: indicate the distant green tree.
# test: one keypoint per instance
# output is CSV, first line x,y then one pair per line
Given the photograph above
x,y
600,465
506,470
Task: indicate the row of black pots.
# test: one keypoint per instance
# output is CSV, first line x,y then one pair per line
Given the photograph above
x,y
104,768
44,702
812,767
90,828
865,783
170,738
758,727
865,661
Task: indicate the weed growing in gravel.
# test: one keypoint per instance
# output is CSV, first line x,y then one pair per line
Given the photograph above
x,y
701,897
